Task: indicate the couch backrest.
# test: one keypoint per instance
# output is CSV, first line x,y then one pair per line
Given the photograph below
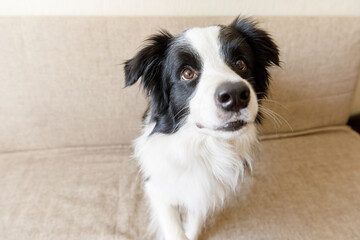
x,y
61,78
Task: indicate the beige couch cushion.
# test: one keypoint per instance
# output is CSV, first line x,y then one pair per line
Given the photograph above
x,y
305,187
61,84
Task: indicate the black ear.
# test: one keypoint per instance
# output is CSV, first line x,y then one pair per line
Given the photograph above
x,y
265,50
147,62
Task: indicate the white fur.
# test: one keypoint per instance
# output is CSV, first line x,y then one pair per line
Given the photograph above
x,y
215,71
191,170
196,169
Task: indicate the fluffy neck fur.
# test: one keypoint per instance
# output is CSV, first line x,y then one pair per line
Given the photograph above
x,y
196,170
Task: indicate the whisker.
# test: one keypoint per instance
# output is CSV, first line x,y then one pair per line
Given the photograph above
x,y
275,119
277,114
176,126
273,123
181,111
273,101
271,114
181,114
272,117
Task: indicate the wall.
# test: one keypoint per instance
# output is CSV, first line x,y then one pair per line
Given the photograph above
x,y
180,7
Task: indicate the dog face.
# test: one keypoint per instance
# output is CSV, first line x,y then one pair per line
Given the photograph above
x,y
211,78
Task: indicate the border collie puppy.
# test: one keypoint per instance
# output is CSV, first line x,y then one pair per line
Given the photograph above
x,y
200,130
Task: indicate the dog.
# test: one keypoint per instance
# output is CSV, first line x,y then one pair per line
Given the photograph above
x,y
199,134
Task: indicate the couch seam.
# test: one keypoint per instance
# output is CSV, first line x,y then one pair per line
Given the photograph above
x,y
122,147
94,148
343,128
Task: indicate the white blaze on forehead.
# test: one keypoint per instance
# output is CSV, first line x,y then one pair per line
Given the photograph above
x,y
207,44
205,41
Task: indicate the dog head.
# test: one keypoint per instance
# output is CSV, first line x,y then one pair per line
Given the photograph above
x,y
212,78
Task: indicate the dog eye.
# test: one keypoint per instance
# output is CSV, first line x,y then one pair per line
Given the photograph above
x,y
240,65
188,74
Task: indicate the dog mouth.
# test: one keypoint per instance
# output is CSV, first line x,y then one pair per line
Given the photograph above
x,y
229,126
232,126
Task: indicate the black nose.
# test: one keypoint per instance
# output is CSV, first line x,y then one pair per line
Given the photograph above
x,y
232,96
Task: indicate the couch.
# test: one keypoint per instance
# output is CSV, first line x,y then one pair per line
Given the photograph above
x,y
67,122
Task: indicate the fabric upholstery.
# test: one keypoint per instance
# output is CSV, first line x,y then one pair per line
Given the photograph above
x,y
66,124
61,82
303,187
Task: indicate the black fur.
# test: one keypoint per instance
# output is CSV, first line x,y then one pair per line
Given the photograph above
x,y
148,64
160,64
243,39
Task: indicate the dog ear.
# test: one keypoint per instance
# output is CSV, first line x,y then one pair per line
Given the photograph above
x,y
147,62
260,41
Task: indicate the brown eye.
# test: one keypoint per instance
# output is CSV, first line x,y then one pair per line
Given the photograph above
x,y
240,65
188,74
